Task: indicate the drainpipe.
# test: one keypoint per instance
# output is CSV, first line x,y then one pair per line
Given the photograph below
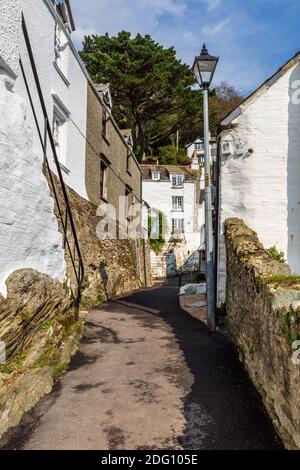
x,y
217,212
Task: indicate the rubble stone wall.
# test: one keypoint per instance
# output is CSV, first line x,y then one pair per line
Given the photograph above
x,y
263,309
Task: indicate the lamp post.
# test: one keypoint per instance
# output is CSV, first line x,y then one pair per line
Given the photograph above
x,y
204,68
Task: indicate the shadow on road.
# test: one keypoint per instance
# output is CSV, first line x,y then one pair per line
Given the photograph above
x,y
222,410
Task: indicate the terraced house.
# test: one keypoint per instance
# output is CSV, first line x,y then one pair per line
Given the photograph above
x,y
175,191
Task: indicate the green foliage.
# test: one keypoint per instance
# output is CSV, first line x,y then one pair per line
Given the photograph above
x,y
153,90
157,227
283,280
224,98
66,286
99,299
169,155
48,325
25,315
275,254
13,365
291,334
147,80
201,277
58,369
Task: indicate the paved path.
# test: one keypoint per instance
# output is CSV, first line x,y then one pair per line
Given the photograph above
x,y
148,375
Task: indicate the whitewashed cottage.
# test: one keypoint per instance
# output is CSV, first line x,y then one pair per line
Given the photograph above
x,y
260,167
195,151
176,192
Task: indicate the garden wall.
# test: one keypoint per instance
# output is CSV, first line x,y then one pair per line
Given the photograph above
x,y
263,309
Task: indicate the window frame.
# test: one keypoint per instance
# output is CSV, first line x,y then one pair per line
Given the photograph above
x,y
104,120
175,206
180,226
199,146
175,177
61,58
128,162
60,132
104,167
154,174
128,201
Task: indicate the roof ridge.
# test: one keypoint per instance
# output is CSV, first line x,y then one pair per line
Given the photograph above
x,y
269,81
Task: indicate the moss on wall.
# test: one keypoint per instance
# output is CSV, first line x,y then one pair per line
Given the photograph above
x,y
262,304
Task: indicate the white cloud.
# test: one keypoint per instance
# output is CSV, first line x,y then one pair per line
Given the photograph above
x,y
238,37
215,29
164,6
212,4
190,37
112,16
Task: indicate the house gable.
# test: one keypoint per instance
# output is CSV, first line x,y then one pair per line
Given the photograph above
x,y
227,120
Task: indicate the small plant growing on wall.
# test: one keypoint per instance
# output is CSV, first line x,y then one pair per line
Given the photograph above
x,y
157,228
276,254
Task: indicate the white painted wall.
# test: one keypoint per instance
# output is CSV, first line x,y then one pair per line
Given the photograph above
x,y
41,28
29,236
264,188
158,195
10,33
191,148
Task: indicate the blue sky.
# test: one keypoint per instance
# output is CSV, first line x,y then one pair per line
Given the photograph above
x,y
252,37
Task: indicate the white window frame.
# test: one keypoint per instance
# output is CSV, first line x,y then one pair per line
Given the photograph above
x,y
103,180
155,175
176,206
177,180
226,147
177,226
61,46
59,129
199,146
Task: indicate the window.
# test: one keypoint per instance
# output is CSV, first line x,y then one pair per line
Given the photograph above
x,y
128,201
155,175
128,161
60,134
202,196
64,12
61,51
199,146
177,226
202,160
178,180
177,203
104,122
103,179
226,147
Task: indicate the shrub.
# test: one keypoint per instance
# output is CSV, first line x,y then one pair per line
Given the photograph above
x,y
275,254
157,228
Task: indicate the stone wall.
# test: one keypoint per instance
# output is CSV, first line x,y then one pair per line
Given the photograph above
x,y
263,304
124,263
115,151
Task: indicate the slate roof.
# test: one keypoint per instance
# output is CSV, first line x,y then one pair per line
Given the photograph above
x,y
166,170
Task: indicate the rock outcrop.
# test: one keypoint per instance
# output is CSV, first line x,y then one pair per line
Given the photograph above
x,y
39,330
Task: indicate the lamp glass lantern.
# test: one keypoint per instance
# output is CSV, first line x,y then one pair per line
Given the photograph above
x,y
204,68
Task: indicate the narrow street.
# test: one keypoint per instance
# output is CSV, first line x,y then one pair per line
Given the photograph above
x,y
148,376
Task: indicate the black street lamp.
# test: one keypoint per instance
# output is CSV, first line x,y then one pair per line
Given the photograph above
x,y
204,67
